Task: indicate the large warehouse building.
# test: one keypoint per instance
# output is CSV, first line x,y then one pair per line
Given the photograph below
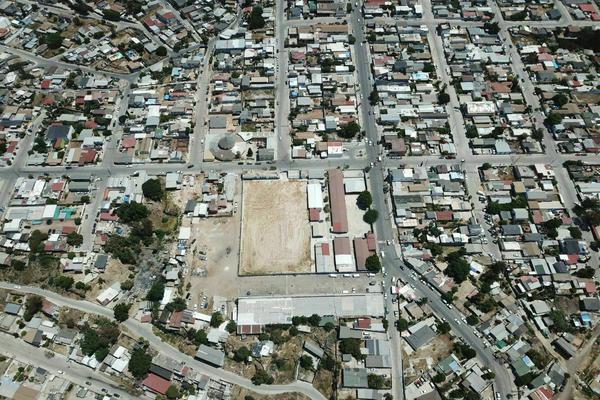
x,y
255,312
339,217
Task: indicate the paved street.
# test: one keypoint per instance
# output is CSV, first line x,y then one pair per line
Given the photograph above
x,y
384,226
136,329
59,366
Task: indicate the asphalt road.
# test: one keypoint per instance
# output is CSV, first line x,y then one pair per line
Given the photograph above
x,y
58,365
375,175
145,331
385,230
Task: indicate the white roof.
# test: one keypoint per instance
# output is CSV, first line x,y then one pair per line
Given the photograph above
x,y
315,195
185,232
167,296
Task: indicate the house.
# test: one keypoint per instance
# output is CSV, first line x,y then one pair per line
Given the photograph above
x,y
65,336
210,356
313,348
565,348
263,349
12,308
156,384
421,337
355,378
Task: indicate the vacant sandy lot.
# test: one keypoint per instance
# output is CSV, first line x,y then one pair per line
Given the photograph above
x,y
275,228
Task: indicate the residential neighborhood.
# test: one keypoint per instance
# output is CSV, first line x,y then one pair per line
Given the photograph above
x,y
299,199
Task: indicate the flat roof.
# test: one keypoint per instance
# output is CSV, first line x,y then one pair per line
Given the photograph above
x,y
263,310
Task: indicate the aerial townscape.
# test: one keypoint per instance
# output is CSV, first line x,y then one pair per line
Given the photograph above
x,y
300,199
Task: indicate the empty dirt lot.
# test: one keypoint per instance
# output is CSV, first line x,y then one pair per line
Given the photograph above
x,y
275,229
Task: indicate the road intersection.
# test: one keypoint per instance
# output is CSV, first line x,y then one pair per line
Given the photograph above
x,y
384,226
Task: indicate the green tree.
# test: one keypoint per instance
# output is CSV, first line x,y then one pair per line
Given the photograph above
x,y
255,19
121,311
443,98
458,268
241,354
314,320
111,15
131,212
101,353
231,327
200,338
156,292
262,377
152,189
472,320
161,51
364,200
443,327
587,272
554,119
127,285
306,362
560,321
351,346
376,381
172,392
491,27
33,305
560,99
52,40
63,282
370,217
329,326
35,241
178,304
402,325
327,363
349,130
216,319
575,232
74,239
471,132
439,378
373,264
139,363
17,265
374,97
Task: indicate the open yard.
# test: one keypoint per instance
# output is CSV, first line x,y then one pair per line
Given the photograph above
x,y
275,229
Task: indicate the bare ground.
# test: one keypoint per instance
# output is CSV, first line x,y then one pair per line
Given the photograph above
x,y
275,230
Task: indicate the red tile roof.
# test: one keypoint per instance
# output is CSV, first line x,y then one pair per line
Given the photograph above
x,y
339,216
361,253
58,186
128,142
372,241
444,215
364,323
314,215
341,245
325,249
105,216
156,384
